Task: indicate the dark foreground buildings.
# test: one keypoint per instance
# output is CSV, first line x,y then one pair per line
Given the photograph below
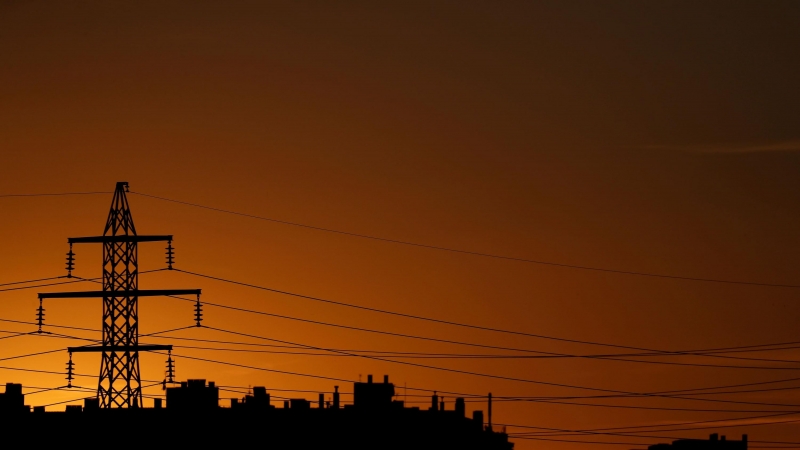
x,y
192,418
714,442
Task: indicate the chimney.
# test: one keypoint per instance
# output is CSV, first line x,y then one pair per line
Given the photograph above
x,y
490,410
336,397
744,439
477,417
369,379
321,401
156,403
434,402
713,437
461,408
386,379
441,404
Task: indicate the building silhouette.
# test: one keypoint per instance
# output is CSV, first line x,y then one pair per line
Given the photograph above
x,y
714,442
193,416
12,401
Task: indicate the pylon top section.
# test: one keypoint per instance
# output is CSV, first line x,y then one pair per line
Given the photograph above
x,y
120,222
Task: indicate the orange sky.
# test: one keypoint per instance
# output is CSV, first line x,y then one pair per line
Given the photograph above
x,y
642,136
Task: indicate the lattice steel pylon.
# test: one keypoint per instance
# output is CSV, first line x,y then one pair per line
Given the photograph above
x,y
119,385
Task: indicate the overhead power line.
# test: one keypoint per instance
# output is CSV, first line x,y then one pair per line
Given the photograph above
x,y
703,352
565,432
641,428
470,252
20,288
501,377
396,354
55,194
471,344
693,391
227,363
33,281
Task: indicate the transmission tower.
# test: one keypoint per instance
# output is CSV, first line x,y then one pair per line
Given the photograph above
x,y
120,383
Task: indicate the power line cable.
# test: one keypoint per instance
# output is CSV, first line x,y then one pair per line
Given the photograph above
x,y
49,372
20,288
421,355
301,346
497,397
49,325
620,443
525,397
450,356
449,341
351,381
425,354
592,431
57,194
428,319
31,354
501,377
575,404
585,397
565,432
284,372
694,422
33,281
473,253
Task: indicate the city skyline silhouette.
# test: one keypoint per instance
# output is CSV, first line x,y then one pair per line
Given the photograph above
x,y
586,209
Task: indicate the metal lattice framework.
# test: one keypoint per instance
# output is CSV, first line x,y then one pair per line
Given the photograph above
x,y
120,385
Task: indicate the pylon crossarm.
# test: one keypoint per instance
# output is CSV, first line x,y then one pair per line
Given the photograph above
x,y
119,348
133,293
121,238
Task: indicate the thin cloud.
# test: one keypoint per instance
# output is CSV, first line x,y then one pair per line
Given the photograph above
x,y
783,146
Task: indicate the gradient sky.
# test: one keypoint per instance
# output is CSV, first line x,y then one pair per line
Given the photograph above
x,y
657,137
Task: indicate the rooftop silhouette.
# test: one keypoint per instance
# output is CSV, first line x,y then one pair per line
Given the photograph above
x,y
193,416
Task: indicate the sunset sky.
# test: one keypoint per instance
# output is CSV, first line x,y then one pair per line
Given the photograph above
x,y
658,137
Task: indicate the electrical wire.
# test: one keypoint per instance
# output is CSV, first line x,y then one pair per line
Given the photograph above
x,y
429,319
475,253
300,346
692,390
55,194
449,341
49,325
563,432
33,281
20,288
284,372
464,372
537,397
455,356
694,422
413,354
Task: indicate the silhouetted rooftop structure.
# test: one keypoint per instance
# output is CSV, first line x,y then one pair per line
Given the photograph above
x,y
193,395
12,399
373,395
192,416
714,442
